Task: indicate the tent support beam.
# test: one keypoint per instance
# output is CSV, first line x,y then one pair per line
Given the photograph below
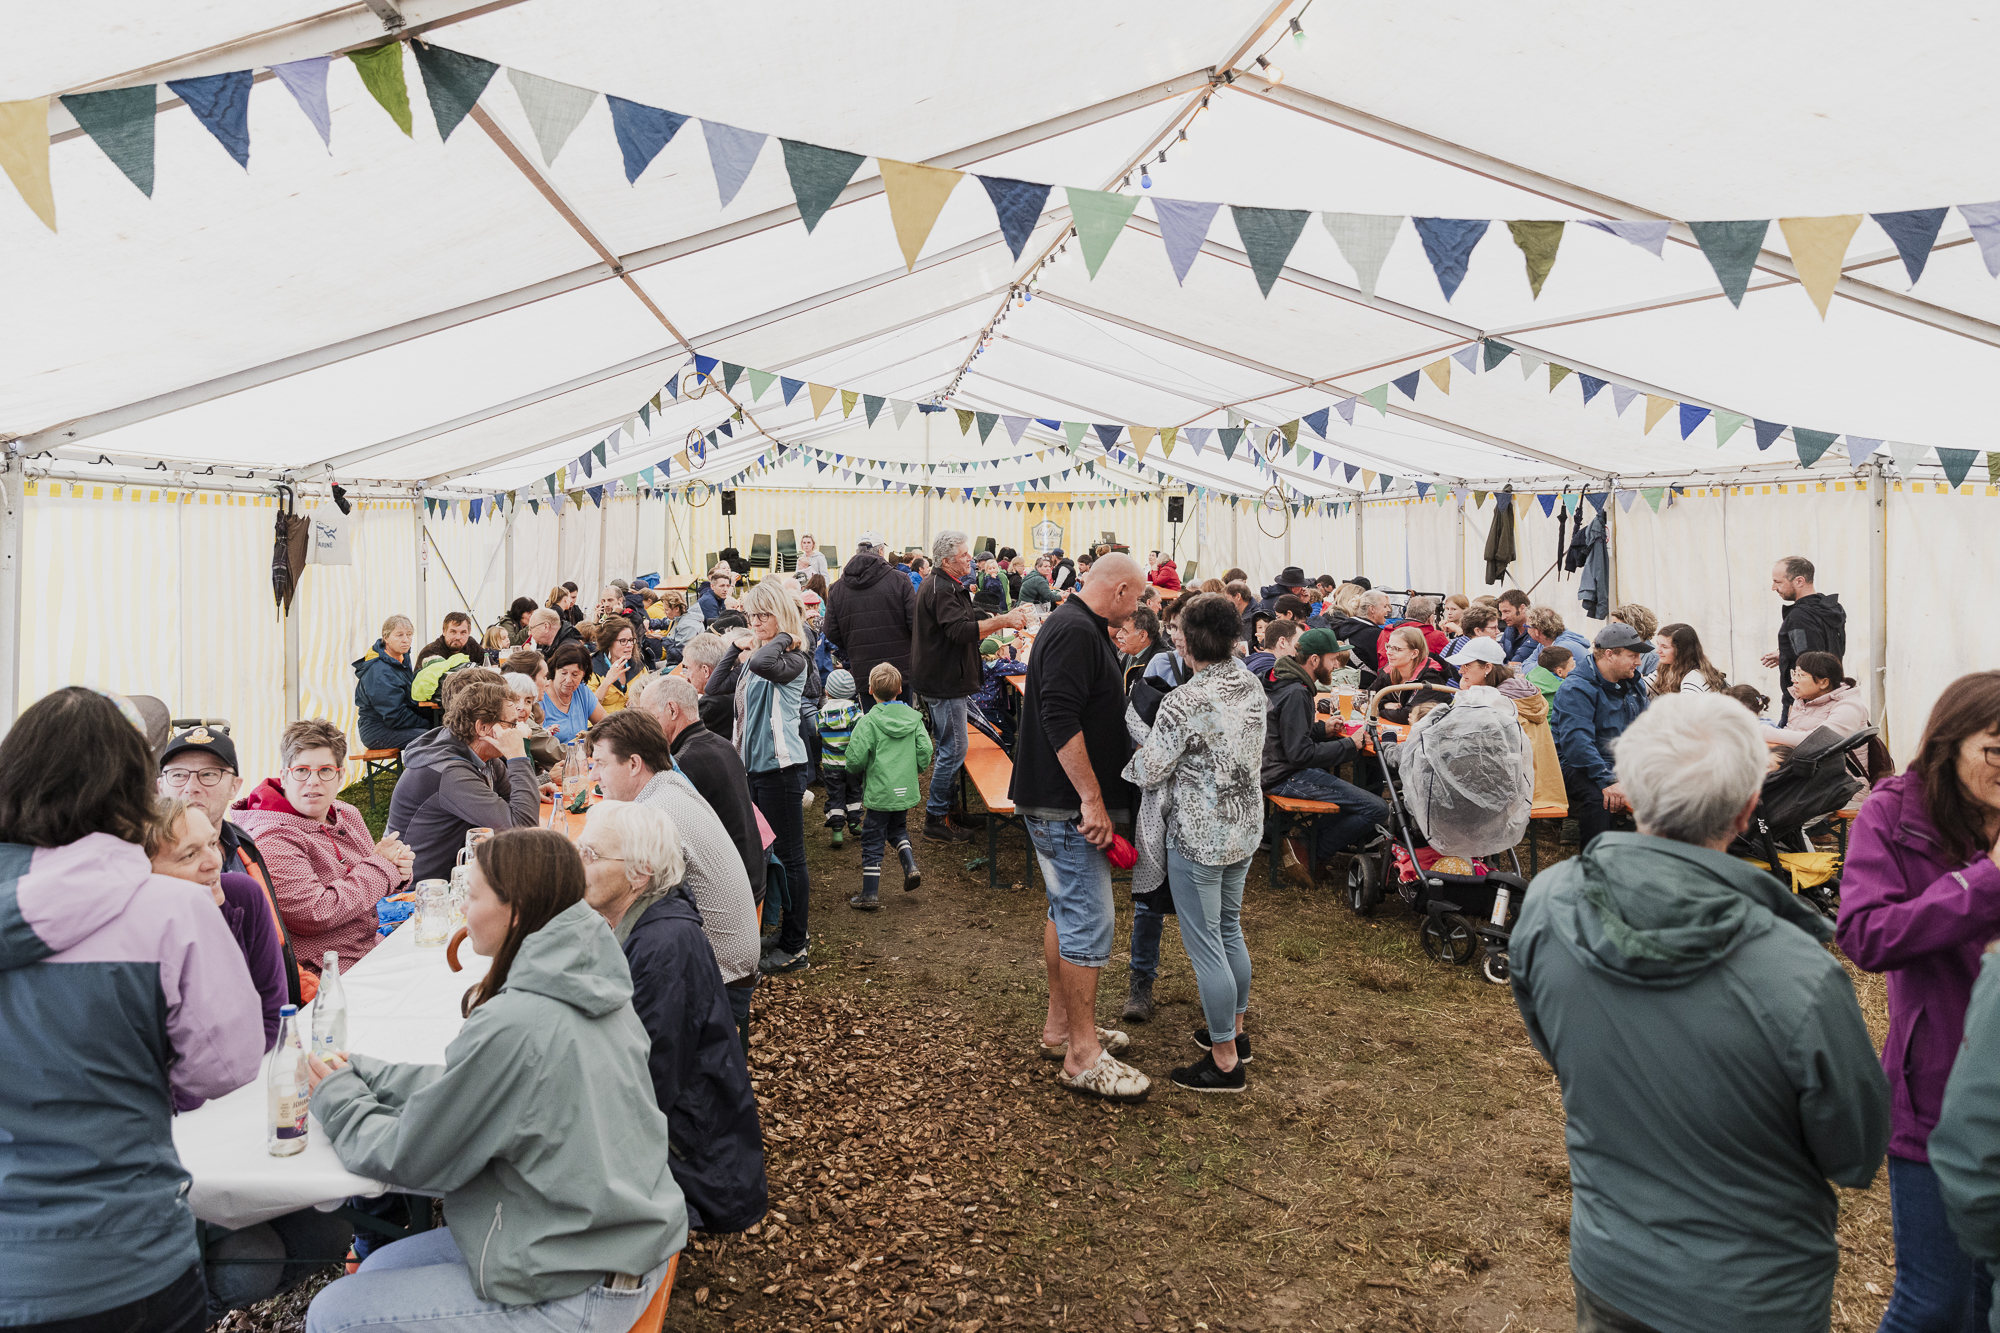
x,y
160,404
1576,196
1878,594
13,518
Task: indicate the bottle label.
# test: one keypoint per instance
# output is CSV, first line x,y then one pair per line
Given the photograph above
x,y
288,1116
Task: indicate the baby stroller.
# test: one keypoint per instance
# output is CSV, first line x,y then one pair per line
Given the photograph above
x,y
1459,790
1801,795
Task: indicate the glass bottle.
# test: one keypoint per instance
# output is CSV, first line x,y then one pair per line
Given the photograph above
x,y
329,1023
286,1085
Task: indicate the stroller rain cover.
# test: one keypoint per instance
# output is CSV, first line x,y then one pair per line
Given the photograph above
x,y
1466,774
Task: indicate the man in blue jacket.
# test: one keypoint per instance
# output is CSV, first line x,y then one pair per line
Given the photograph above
x,y
1596,703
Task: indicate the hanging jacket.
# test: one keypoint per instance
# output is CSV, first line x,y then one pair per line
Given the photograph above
x,y
1593,590
388,719
1716,1074
123,991
1919,914
1500,537
892,748
325,874
1591,713
715,1146
540,1129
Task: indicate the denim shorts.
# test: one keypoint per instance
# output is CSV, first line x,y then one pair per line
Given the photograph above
x,y
1079,883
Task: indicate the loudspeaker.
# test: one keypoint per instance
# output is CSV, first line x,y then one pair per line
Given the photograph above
x,y
729,502
1174,508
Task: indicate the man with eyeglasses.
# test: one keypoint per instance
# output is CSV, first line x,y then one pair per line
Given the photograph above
x,y
199,767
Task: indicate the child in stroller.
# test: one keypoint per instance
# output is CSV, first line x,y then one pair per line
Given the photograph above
x,y
1460,789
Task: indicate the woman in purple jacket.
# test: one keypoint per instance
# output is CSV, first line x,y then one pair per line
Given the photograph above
x,y
1920,899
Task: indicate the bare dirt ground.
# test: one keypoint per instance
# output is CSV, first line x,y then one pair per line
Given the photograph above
x,y
1397,1163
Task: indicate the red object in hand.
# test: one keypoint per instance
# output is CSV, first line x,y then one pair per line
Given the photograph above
x,y
1121,853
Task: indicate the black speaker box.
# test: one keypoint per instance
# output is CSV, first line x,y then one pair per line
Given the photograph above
x,y
1174,508
729,502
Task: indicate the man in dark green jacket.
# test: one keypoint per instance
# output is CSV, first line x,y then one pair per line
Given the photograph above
x,y
1716,1072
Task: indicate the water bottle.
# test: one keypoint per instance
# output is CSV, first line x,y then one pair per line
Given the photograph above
x,y
287,1088
329,1027
1502,897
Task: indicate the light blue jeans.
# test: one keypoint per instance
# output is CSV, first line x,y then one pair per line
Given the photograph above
x,y
1078,879
948,721
425,1280
1209,900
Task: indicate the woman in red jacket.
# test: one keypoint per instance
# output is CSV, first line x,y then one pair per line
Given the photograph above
x,y
1165,576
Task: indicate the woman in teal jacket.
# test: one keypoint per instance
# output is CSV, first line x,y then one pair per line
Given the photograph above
x,y
540,1129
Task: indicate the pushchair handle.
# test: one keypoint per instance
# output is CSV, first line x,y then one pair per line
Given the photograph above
x,y
1376,698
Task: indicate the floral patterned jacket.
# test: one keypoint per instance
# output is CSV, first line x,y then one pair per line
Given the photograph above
x,y
1205,750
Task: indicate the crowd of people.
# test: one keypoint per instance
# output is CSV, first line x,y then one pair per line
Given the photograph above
x,y
1147,721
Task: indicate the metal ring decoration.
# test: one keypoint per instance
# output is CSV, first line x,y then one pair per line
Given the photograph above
x,y
1273,501
698,493
697,448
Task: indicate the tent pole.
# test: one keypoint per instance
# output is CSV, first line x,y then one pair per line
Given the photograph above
x,y
1878,596
603,543
13,517
292,662
422,618
927,472
1611,543
508,592
1359,551
1463,581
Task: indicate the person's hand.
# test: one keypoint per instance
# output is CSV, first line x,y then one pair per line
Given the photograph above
x,y
1095,824
318,1070
1769,659
512,742
744,640
1614,798
392,846
1017,618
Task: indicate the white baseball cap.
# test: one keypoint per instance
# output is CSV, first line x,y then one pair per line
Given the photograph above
x,y
874,539
1478,649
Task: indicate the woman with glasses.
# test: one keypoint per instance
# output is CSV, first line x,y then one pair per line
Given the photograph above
x,y
615,665
1920,899
327,872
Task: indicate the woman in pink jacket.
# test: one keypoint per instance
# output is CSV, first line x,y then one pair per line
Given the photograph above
x,y
1821,697
1919,900
327,871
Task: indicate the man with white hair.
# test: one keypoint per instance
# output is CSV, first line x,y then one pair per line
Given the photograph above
x,y
547,630
703,654
633,869
1715,1069
944,668
711,764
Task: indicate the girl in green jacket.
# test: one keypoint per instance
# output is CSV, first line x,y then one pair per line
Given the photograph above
x,y
540,1129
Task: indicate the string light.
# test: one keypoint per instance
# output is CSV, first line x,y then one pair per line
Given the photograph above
x,y
1298,36
1271,72
1145,180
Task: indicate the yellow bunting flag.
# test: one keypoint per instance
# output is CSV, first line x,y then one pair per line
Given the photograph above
x,y
1819,247
1167,438
1440,373
916,196
1367,480
1557,374
821,396
1657,407
24,154
1142,439
1521,502
848,398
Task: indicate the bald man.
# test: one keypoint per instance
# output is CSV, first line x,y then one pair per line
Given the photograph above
x,y
1070,790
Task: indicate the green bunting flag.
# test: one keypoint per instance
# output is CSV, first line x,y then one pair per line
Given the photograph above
x,y
760,380
1268,235
381,70
1812,443
1099,215
987,420
1538,242
965,418
730,374
1378,398
818,176
1732,249
1727,424
120,122
1074,430
453,81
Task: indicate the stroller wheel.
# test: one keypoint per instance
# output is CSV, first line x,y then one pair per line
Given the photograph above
x,y
1364,884
1495,966
1448,938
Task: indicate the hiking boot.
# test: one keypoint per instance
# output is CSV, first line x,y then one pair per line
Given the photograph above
x,y
864,902
938,828
965,819
1138,1001
1203,1076
777,960
1242,1044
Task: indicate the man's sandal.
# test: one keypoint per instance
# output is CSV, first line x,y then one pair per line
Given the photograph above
x,y
1110,1078
1115,1042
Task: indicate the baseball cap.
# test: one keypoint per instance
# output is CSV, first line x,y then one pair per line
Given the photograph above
x,y
1318,641
872,538
1478,650
216,743
1619,635
621,585
811,597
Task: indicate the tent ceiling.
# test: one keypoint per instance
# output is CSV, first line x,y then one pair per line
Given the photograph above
x,y
269,275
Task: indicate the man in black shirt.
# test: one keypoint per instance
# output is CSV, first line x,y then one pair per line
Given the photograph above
x,y
711,764
1070,790
1814,622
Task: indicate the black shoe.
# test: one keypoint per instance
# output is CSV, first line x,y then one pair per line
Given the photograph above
x,y
1242,1044
864,902
1203,1076
912,878
777,960
937,828
1138,1001
966,820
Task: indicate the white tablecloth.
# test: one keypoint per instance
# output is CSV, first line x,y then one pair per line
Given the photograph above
x,y
402,1005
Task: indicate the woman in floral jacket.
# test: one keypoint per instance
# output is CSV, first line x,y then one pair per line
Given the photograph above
x,y
1205,749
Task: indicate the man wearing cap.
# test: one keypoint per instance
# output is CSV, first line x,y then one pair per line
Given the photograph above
x,y
1291,579
199,767
869,613
1596,702
1301,749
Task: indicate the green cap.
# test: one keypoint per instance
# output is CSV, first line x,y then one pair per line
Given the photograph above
x,y
1318,642
988,647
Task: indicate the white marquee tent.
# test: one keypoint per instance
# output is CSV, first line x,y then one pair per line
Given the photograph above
x,y
450,320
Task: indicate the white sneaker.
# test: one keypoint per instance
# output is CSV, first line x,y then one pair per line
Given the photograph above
x,y
806,799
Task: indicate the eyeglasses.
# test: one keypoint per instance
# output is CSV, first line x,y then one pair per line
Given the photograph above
x,y
591,855
324,773
1992,753
762,615
207,777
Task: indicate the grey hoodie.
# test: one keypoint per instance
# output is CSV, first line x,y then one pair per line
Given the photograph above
x,y
446,789
540,1129
1716,1073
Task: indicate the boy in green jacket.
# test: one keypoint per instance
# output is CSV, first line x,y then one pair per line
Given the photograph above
x,y
891,748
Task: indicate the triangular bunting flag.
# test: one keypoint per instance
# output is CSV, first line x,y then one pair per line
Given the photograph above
x,y
1819,248
1811,444
1767,431
1984,220
1142,436
1732,249
1268,235
1557,374
642,131
1364,240
1231,436
790,388
1656,407
1099,216
1592,386
120,122
1538,242
1018,206
1956,463
1530,363
1108,435
1290,430
1183,227
760,380
730,374
1439,372
1407,384
221,102
1691,416
1367,479
871,406
731,152
1346,409
1316,422
987,421
821,395
1913,233
916,196
305,80
1073,431
554,110
1014,425
1859,450
1468,356
1548,500
1448,245
1198,437
1621,398
1726,425
1167,438
1598,499
1350,469
1625,499
901,408
965,419
818,176
848,398
1646,235
453,81
1496,352
381,70
1378,398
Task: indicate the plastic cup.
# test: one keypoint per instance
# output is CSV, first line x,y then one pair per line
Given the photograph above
x,y
1344,698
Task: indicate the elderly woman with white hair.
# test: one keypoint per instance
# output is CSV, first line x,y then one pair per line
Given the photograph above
x,y
634,866
382,679
1716,1072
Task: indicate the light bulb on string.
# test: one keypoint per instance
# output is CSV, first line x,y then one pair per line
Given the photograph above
x,y
1271,72
1145,180
1298,36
